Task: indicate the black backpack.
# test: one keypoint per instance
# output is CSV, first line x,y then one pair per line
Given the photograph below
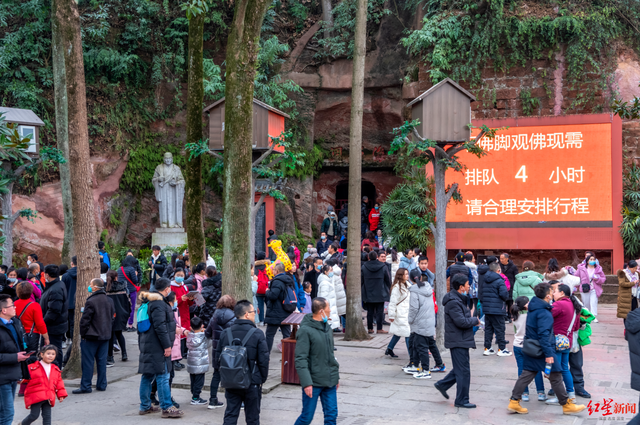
x,y
234,363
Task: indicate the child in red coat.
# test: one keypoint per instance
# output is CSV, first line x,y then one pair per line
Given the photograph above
x,y
45,384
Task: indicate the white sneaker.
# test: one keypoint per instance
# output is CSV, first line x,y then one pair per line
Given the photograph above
x,y
411,370
64,344
595,320
422,375
553,401
504,353
488,352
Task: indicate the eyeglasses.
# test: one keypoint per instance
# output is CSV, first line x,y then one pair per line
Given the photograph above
x,y
251,312
11,306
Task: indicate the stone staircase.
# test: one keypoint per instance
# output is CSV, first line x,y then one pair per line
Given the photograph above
x,y
610,291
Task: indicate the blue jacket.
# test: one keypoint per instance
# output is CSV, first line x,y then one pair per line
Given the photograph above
x,y
105,257
302,300
494,294
405,263
540,327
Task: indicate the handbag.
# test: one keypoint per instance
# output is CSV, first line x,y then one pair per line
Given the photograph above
x,y
562,341
531,348
129,280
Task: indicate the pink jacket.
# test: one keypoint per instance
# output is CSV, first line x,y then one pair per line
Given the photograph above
x,y
176,353
595,283
506,280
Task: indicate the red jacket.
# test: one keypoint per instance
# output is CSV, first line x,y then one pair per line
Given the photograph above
x,y
41,388
562,314
374,219
183,306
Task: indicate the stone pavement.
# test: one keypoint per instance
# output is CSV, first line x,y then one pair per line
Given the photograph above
x,y
374,390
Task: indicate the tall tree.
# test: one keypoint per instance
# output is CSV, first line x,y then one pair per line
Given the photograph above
x,y
67,25
355,327
242,58
62,138
420,152
195,94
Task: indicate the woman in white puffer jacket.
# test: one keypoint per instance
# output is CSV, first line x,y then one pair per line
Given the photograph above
x,y
341,295
327,291
399,311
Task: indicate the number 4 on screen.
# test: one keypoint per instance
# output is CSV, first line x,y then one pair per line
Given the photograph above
x,y
522,174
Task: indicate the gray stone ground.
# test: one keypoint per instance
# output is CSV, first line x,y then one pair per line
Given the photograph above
x,y
374,390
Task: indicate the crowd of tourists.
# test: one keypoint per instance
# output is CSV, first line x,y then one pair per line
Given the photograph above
x,y
185,321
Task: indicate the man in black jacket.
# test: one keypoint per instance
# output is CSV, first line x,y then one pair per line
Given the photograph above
x,y
258,358
95,331
458,338
155,351
275,296
459,267
70,279
364,216
311,276
376,288
157,262
12,352
510,270
494,296
55,306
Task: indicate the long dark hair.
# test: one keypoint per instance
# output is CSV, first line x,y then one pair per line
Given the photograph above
x,y
567,291
397,280
552,266
112,276
519,304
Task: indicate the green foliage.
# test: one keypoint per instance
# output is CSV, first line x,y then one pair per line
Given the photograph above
x,y
409,211
213,84
299,240
312,163
144,159
529,104
630,227
344,24
459,39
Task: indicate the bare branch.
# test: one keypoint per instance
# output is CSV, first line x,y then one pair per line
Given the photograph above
x,y
454,150
433,229
274,162
13,217
264,155
451,192
21,169
417,135
215,154
441,151
256,207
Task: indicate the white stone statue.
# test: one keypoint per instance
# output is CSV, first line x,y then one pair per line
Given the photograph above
x,y
169,185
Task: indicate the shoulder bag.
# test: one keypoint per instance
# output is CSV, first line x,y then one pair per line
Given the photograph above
x,y
562,341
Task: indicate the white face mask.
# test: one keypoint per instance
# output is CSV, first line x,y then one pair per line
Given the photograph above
x,y
28,262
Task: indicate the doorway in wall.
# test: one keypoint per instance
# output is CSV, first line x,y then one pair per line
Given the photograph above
x,y
342,193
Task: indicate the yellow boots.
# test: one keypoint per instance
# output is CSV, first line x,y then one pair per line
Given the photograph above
x,y
514,407
571,407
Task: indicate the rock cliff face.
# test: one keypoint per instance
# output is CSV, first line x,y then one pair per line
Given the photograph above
x,y
326,106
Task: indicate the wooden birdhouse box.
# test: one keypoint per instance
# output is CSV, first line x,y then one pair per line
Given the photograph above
x,y
444,112
28,125
268,124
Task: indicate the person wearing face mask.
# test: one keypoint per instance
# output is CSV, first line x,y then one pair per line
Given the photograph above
x,y
312,274
591,279
323,244
538,351
327,291
458,338
95,331
155,351
316,365
184,302
330,225
374,218
310,250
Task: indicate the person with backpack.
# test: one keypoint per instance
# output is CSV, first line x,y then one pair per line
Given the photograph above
x,y
260,269
156,334
242,357
281,302
222,319
316,364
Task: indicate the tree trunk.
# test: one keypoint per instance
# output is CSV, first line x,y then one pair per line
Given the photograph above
x,y
441,244
327,17
242,55
354,327
62,138
193,169
7,222
67,21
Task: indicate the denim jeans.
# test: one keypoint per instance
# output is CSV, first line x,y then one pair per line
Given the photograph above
x,y
260,299
7,395
566,373
164,390
329,400
517,352
394,341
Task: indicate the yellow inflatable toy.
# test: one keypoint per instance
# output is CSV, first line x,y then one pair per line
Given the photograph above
x,y
282,257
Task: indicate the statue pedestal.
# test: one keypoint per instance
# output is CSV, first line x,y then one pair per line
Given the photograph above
x,y
169,236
